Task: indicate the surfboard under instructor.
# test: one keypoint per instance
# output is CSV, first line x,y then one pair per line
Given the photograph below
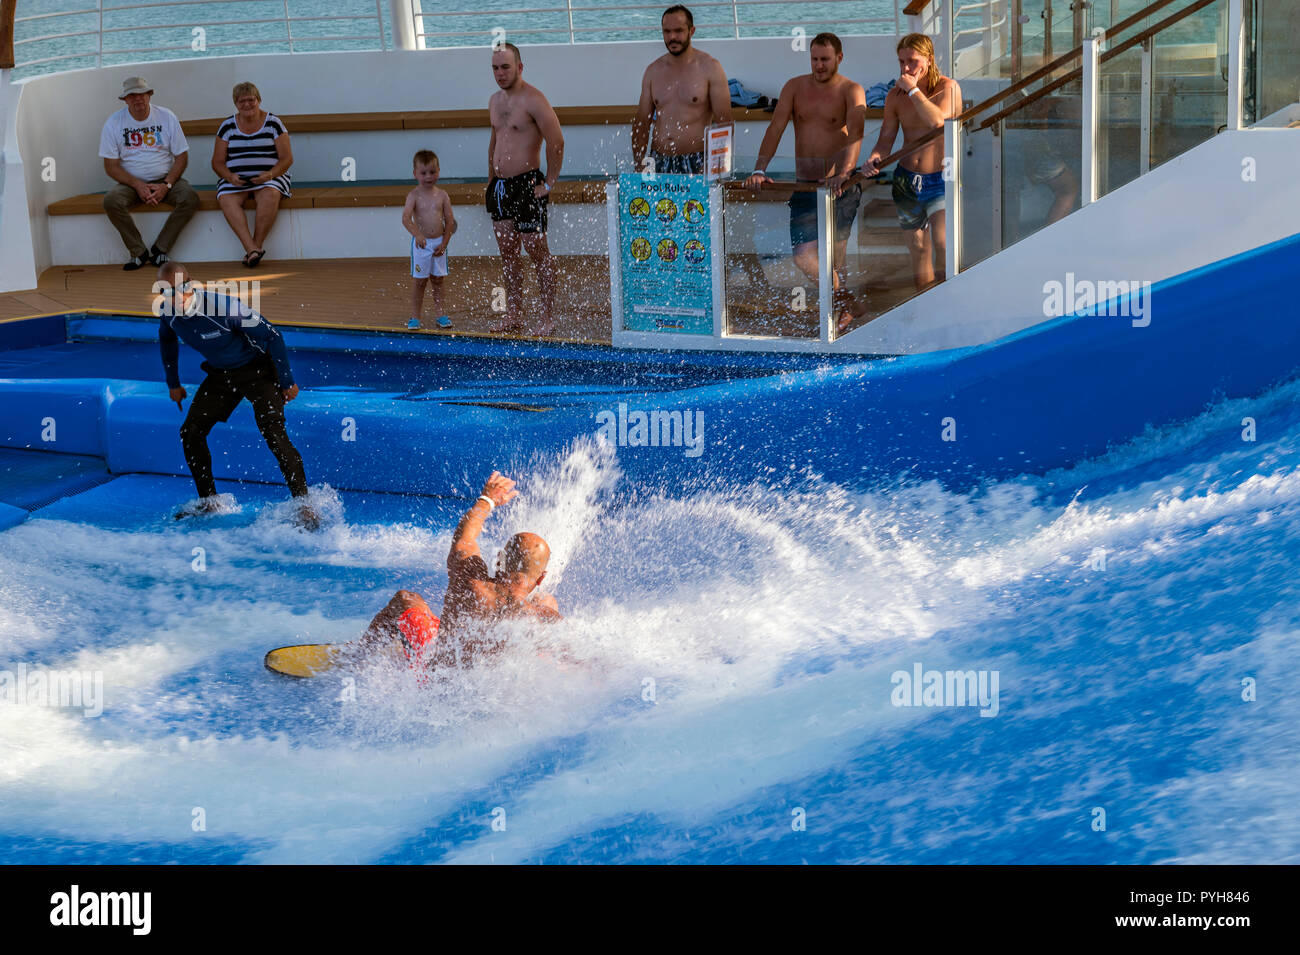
x,y
245,358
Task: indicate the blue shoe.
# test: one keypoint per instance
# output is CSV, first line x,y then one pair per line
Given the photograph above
x,y
444,321
413,323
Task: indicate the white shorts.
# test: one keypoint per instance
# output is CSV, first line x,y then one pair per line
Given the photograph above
x,y
423,263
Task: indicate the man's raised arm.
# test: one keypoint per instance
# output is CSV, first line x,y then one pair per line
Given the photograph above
x,y
464,542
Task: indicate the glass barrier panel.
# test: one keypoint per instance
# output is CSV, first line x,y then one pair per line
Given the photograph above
x,y
982,34
770,259
874,266
1062,30
1041,148
1276,67
1189,86
981,195
1119,126
774,252
1106,13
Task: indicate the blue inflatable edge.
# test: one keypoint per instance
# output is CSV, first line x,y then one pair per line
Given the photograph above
x,y
138,328
1036,400
36,332
11,516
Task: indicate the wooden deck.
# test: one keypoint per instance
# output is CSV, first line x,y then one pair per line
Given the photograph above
x,y
374,294
371,294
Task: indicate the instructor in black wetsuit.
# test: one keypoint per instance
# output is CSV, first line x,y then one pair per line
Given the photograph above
x,y
244,357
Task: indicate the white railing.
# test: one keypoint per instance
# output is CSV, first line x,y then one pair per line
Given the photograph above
x,y
993,17
85,36
728,12
197,27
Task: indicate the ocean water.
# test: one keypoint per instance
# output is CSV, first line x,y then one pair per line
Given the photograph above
x,y
66,34
231,26
723,686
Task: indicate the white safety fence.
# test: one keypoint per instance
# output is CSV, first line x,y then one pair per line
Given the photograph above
x,y
583,22
54,35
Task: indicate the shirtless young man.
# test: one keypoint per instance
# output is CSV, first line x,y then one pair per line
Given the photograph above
x,y
686,91
517,192
829,112
428,217
919,103
475,599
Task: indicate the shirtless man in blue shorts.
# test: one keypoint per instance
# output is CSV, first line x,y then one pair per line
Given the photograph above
x,y
919,103
829,111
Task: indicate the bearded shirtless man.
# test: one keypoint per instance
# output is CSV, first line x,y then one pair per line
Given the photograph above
x,y
919,103
518,192
829,113
685,91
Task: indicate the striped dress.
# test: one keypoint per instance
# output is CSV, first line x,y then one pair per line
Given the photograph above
x,y
252,154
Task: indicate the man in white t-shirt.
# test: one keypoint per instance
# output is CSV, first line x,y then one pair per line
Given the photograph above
x,y
145,151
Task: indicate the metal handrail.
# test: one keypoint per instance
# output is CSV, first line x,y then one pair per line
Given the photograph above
x,y
701,26
575,30
971,31
696,4
56,36
61,13
146,6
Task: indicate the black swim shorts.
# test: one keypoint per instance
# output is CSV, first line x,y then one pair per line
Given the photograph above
x,y
513,198
803,215
684,164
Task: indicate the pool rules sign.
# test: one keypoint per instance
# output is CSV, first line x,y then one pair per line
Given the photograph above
x,y
665,254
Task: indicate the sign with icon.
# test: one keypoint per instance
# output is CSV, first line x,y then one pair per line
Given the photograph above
x,y
718,151
664,253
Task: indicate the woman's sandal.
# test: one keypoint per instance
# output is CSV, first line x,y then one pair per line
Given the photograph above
x,y
252,258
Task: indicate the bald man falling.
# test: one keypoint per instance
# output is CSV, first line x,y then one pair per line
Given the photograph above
x,y
475,599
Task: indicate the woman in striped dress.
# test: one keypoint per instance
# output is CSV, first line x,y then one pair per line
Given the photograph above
x,y
252,154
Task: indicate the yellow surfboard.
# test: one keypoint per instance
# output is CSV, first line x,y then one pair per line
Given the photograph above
x,y
308,659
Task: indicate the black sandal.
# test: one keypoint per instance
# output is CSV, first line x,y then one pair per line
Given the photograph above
x,y
252,258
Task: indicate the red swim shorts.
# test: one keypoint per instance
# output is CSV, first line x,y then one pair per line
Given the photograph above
x,y
419,630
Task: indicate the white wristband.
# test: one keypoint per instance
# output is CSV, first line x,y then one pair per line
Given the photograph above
x,y
915,90
490,504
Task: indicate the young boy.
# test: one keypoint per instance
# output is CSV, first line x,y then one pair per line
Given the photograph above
x,y
428,217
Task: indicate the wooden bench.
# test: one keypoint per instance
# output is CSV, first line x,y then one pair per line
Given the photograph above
x,y
331,195
342,196
455,119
